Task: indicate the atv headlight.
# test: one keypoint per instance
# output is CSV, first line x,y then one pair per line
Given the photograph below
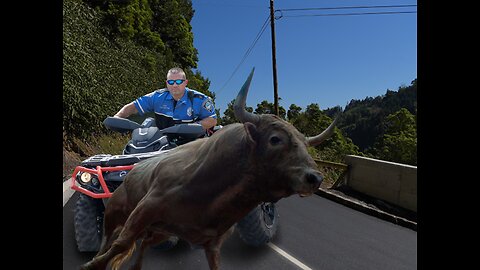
x,y
85,177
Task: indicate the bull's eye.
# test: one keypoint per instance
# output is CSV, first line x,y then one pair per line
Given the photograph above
x,y
274,140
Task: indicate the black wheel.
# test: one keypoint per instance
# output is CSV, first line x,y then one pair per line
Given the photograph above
x,y
259,226
88,222
168,244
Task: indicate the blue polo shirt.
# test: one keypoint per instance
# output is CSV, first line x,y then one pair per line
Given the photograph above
x,y
161,102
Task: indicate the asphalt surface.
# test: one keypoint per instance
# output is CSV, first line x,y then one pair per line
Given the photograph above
x,y
315,232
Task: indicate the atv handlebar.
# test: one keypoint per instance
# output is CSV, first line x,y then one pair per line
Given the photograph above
x,y
120,124
124,125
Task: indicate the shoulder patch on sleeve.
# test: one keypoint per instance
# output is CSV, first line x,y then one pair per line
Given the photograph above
x,y
200,96
208,105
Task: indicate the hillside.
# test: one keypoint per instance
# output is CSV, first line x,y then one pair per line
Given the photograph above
x,y
363,119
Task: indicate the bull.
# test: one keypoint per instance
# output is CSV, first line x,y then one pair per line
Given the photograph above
x,y
199,190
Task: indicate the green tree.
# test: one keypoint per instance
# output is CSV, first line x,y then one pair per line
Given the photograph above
x,y
160,25
131,20
171,19
312,121
399,142
266,107
293,112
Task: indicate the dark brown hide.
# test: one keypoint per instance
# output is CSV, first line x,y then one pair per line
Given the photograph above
x,y
199,190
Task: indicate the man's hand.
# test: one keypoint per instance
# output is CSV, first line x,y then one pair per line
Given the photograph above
x,y
126,111
208,122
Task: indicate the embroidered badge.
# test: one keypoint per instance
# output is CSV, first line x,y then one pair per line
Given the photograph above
x,y
208,105
189,111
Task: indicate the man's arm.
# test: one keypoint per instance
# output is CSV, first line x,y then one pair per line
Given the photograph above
x,y
208,122
126,111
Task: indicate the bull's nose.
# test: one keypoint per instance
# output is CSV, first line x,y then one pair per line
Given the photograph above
x,y
314,179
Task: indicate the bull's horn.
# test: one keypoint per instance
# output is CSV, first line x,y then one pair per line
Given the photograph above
x,y
316,140
239,106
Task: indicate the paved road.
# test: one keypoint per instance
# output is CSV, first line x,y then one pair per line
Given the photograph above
x,y
314,232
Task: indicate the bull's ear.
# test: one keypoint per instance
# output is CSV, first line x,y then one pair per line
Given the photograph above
x,y
252,133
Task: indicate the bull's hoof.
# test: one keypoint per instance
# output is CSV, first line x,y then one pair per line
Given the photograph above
x,y
87,266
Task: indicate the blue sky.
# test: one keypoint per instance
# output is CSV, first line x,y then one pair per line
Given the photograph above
x,y
328,60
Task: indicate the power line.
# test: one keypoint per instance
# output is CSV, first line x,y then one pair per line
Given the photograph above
x,y
351,7
348,14
345,14
249,50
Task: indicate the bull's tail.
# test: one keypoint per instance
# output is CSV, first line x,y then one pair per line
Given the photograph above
x,y
119,259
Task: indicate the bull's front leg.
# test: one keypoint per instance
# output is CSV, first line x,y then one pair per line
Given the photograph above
x,y
212,249
139,219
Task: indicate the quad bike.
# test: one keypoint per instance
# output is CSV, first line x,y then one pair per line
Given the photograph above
x,y
98,177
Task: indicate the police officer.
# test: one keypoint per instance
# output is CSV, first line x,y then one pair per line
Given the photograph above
x,y
174,104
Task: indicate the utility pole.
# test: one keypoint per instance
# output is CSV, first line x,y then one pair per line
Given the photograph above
x,y
274,60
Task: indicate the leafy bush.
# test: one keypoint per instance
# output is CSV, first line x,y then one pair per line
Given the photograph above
x,y
100,75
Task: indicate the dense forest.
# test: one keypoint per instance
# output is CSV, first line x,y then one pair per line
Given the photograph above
x,y
115,51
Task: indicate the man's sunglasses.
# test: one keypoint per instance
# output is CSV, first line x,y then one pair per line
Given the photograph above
x,y
178,82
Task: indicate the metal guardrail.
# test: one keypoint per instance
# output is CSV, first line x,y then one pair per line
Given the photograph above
x,y
334,172
324,163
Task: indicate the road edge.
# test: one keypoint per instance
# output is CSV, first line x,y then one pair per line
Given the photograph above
x,y
367,209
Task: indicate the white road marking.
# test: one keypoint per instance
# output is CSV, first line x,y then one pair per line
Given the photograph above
x,y
67,191
289,257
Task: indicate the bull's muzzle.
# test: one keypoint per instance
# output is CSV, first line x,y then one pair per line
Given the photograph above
x,y
311,182
314,179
